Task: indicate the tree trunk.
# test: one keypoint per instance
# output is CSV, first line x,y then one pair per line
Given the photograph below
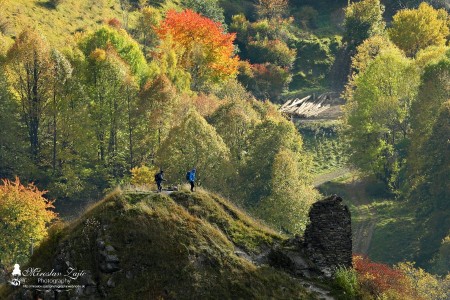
x,y
54,130
130,128
35,111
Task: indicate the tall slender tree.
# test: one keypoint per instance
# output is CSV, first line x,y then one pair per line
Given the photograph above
x,y
29,72
61,71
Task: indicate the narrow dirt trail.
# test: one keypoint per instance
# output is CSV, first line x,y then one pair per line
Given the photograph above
x,y
330,176
364,224
364,218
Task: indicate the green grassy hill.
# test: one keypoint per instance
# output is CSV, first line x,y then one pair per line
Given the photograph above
x,y
178,246
58,24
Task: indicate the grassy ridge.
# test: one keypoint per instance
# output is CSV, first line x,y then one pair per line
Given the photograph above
x,y
180,246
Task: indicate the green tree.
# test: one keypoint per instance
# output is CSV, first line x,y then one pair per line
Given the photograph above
x,y
362,20
416,29
148,19
378,116
234,122
430,55
365,55
315,60
195,143
441,261
268,137
77,163
60,73
431,195
208,8
114,69
287,206
13,134
434,90
28,71
123,44
156,109
435,169
169,64
106,78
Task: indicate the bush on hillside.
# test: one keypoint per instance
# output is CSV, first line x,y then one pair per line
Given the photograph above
x,y
25,214
346,279
55,3
143,175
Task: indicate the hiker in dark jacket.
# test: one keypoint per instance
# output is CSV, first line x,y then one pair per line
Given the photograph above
x,y
190,176
159,178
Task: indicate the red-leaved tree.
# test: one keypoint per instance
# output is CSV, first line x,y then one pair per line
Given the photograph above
x,y
380,279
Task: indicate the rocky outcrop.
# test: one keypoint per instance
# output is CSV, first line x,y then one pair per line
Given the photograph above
x,y
326,245
328,237
93,284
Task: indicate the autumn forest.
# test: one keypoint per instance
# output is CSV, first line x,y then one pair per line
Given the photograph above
x,y
96,95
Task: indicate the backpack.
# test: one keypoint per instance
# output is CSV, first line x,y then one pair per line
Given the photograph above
x,y
188,176
158,177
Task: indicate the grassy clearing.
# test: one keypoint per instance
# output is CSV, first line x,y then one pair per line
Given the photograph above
x,y
394,239
325,143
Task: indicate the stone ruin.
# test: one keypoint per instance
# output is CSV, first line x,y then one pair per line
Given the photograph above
x,y
328,236
326,245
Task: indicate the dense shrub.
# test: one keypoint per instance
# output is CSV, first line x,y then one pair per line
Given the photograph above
x,y
272,51
347,280
55,3
315,58
143,175
265,81
307,17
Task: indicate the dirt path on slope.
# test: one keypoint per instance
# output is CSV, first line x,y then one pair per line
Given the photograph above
x,y
330,176
364,217
363,225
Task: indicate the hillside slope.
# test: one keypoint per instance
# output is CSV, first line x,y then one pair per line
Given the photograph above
x,y
58,24
156,246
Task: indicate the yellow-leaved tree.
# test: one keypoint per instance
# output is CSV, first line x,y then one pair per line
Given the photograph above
x,y
143,175
416,29
25,215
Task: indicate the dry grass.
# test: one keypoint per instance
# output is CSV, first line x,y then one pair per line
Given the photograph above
x,y
58,24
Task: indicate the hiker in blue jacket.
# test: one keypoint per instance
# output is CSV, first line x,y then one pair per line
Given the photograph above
x,y
190,176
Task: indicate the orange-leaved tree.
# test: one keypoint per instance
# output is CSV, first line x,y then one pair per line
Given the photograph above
x,y
24,215
203,48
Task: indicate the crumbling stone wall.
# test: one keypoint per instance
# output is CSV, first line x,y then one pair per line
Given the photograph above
x,y
328,237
